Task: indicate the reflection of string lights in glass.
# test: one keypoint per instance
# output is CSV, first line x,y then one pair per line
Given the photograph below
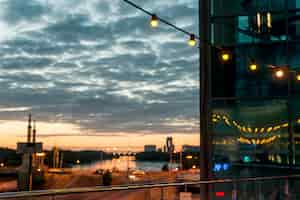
x,y
247,129
257,141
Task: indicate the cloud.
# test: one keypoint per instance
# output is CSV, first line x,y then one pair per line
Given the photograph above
x,y
98,65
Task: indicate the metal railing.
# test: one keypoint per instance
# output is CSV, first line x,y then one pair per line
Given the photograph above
x,y
232,187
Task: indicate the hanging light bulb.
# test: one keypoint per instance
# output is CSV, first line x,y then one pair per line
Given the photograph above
x,y
154,21
279,73
225,56
298,77
253,66
192,41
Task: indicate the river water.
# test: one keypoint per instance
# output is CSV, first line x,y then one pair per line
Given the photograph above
x,y
123,163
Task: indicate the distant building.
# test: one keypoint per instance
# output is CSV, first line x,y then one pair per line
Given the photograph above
x,y
150,148
169,145
32,169
190,148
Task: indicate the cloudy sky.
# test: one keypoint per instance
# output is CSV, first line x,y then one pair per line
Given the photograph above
x,y
94,74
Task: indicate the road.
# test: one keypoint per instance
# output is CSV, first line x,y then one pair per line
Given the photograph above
x,y
88,179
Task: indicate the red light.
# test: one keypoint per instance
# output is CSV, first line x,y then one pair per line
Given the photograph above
x,y
220,194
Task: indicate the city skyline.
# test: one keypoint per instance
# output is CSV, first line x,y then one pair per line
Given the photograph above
x,y
96,69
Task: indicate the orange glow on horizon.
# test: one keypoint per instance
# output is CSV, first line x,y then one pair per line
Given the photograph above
x,y
71,136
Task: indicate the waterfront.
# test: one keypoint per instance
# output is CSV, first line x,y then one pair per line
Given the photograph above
x,y
83,174
123,163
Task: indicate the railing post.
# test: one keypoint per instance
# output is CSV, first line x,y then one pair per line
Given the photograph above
x,y
286,190
259,191
161,193
234,192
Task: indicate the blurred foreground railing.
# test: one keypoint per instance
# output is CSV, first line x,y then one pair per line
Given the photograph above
x,y
259,188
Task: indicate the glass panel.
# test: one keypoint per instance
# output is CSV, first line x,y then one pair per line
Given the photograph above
x,y
249,133
222,7
252,28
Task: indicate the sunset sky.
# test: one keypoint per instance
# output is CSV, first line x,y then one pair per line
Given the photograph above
x,y
95,75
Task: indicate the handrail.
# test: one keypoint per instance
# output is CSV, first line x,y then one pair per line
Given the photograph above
x,y
55,192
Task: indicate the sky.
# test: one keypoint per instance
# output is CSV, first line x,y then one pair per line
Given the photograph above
x,y
94,74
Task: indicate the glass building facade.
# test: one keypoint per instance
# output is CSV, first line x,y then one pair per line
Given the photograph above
x,y
255,93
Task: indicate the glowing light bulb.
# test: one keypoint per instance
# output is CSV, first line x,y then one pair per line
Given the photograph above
x,y
298,77
225,56
279,73
253,67
192,41
154,21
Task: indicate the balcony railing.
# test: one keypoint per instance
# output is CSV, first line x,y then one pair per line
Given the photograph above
x,y
259,188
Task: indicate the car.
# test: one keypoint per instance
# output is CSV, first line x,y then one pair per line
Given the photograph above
x,y
138,172
99,171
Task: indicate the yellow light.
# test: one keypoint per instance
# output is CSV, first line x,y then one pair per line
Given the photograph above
x,y
258,21
285,125
269,129
298,77
192,41
227,122
38,169
78,161
132,176
276,128
269,20
249,130
244,129
194,166
154,21
279,73
253,67
189,157
298,121
1,164
225,57
40,154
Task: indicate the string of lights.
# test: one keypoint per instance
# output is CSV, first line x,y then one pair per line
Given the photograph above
x,y
217,118
225,56
258,141
258,135
156,19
